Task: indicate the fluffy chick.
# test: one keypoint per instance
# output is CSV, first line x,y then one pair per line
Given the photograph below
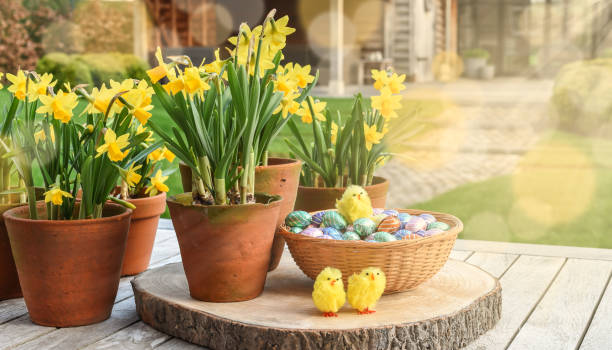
x,y
365,288
354,204
328,294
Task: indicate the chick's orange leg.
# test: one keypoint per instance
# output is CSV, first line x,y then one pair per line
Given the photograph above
x,y
330,314
366,311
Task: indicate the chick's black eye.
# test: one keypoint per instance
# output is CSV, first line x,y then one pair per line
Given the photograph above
x,y
328,278
378,273
354,194
367,273
337,279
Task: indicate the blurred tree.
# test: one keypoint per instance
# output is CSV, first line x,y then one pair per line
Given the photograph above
x,y
104,27
17,50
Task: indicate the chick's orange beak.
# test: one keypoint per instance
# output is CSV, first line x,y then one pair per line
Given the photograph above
x,y
333,282
372,277
359,196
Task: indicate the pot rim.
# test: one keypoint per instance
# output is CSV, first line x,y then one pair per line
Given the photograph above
x,y
8,215
286,162
381,183
276,201
144,199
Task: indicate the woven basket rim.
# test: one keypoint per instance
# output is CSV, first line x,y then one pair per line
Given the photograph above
x,y
456,226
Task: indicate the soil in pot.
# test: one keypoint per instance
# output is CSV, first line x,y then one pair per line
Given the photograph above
x,y
280,177
312,199
69,270
225,249
141,236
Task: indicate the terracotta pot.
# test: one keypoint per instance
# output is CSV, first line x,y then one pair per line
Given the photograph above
x,y
225,249
141,236
69,270
9,281
322,198
280,177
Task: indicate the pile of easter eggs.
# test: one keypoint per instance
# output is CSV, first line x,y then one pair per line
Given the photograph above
x,y
383,226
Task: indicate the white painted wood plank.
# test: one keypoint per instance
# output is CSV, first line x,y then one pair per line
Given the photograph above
x,y
163,234
19,331
599,335
562,316
178,344
135,337
494,263
534,249
124,314
460,254
164,250
11,309
522,286
170,260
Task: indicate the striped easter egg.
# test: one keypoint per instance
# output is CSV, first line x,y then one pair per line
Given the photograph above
x,y
377,211
401,233
389,224
298,219
312,232
337,236
330,231
391,212
335,220
428,218
364,227
404,217
317,218
351,236
433,232
384,237
326,237
438,225
412,236
415,224
296,229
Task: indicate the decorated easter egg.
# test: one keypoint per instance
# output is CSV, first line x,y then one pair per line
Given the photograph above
x,y
391,212
377,211
378,218
382,236
422,233
329,231
350,228
326,237
433,231
415,223
312,232
335,220
351,236
428,218
401,233
404,217
364,227
389,224
298,219
296,229
337,236
317,218
371,241
439,225
369,238
412,236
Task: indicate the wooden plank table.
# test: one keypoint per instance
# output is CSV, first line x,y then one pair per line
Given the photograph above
x,y
553,298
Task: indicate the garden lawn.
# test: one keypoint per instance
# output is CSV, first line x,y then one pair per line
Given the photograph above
x,y
558,198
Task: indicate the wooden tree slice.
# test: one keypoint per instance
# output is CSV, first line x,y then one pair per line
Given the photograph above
x,y
449,311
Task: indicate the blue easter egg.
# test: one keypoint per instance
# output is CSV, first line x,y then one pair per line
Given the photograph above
x,y
335,220
404,217
422,233
337,236
391,212
298,219
364,226
317,218
326,237
329,231
401,233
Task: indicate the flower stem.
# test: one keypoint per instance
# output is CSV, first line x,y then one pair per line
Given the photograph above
x,y
221,197
31,191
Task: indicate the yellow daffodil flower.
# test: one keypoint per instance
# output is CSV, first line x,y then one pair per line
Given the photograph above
x,y
300,74
193,82
243,46
334,132
277,31
216,65
284,83
131,176
89,128
175,85
19,82
41,136
55,195
395,83
141,129
317,107
380,79
288,105
1,86
157,184
41,88
158,73
126,85
113,145
168,155
372,136
160,154
60,105
387,103
102,99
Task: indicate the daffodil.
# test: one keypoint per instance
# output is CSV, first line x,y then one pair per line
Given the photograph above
x,y
395,83
380,78
160,154
372,136
56,196
42,136
216,65
288,105
60,105
1,86
102,100
193,82
41,88
158,73
300,74
131,176
19,82
387,103
113,145
284,83
242,47
141,129
334,132
126,85
175,85
157,184
277,31
306,114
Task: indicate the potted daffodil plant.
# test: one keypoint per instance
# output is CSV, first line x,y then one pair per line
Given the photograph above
x,y
225,115
69,252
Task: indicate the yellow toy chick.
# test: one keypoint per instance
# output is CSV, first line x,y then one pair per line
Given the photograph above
x,y
365,288
328,294
354,204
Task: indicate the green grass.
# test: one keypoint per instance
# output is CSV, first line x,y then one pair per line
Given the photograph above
x,y
562,198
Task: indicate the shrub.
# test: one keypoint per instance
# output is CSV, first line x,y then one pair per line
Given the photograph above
x,y
476,53
581,95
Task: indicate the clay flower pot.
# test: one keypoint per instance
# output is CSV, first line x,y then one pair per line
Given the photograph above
x,y
69,270
141,236
225,249
280,177
312,199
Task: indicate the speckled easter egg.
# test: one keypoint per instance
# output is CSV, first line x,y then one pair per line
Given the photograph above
x,y
384,237
312,232
296,229
335,220
317,218
415,223
377,211
439,225
404,217
364,227
412,236
351,236
389,224
433,232
428,218
298,219
391,212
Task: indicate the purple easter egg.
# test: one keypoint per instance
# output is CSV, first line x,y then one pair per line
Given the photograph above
x,y
312,232
428,218
391,212
377,211
415,224
433,231
326,237
317,218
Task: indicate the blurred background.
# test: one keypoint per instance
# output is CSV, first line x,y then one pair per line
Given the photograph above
x,y
514,96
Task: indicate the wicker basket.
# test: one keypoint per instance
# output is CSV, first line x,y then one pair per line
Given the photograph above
x,y
406,263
